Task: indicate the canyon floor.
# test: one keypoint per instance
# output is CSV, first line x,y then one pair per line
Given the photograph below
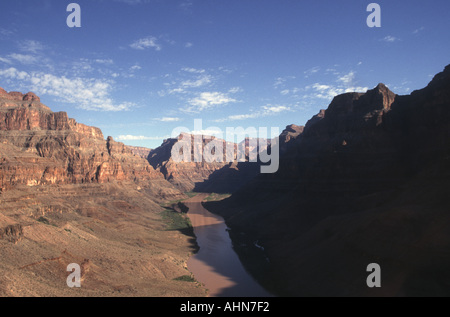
x,y
115,232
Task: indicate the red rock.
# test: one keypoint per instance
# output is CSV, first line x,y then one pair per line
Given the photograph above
x,y
39,147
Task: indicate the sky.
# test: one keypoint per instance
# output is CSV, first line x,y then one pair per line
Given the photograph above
x,y
138,69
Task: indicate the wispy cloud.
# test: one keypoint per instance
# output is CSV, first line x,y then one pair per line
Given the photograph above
x,y
169,119
199,82
348,78
311,71
330,91
129,137
206,101
5,60
6,32
188,80
26,59
193,70
416,31
390,39
85,93
147,42
107,61
135,68
31,46
235,90
264,111
281,81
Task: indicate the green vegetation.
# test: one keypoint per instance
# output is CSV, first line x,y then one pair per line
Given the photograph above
x,y
185,278
215,196
169,203
176,220
190,194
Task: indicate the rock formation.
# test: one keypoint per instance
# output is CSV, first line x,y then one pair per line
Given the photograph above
x,y
203,174
68,195
40,147
366,182
140,151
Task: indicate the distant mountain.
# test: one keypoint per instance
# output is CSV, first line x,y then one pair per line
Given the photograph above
x,y
207,175
365,181
140,151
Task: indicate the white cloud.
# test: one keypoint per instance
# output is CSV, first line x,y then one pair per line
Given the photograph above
x,y
348,78
6,32
85,93
147,42
31,46
264,111
138,137
105,61
267,110
193,70
280,81
135,67
14,74
208,100
239,117
169,119
188,45
390,39
5,60
311,71
23,58
418,30
329,92
200,81
235,90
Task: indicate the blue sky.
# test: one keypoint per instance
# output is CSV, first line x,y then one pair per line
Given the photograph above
x,y
140,68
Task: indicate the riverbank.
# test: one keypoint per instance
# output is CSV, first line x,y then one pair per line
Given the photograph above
x,y
217,265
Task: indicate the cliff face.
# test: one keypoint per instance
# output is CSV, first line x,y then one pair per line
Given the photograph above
x,y
140,151
206,174
365,182
184,175
67,195
40,147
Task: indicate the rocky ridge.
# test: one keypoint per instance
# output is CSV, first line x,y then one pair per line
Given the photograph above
x,y
365,182
41,147
68,195
189,175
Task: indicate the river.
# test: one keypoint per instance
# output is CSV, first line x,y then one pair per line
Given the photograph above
x,y
217,265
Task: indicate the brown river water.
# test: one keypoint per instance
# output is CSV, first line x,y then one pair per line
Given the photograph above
x,y
217,265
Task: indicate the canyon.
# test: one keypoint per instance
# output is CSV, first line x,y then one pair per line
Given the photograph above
x,y
68,195
364,181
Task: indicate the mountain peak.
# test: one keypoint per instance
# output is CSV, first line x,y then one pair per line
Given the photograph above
x,y
381,86
18,96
